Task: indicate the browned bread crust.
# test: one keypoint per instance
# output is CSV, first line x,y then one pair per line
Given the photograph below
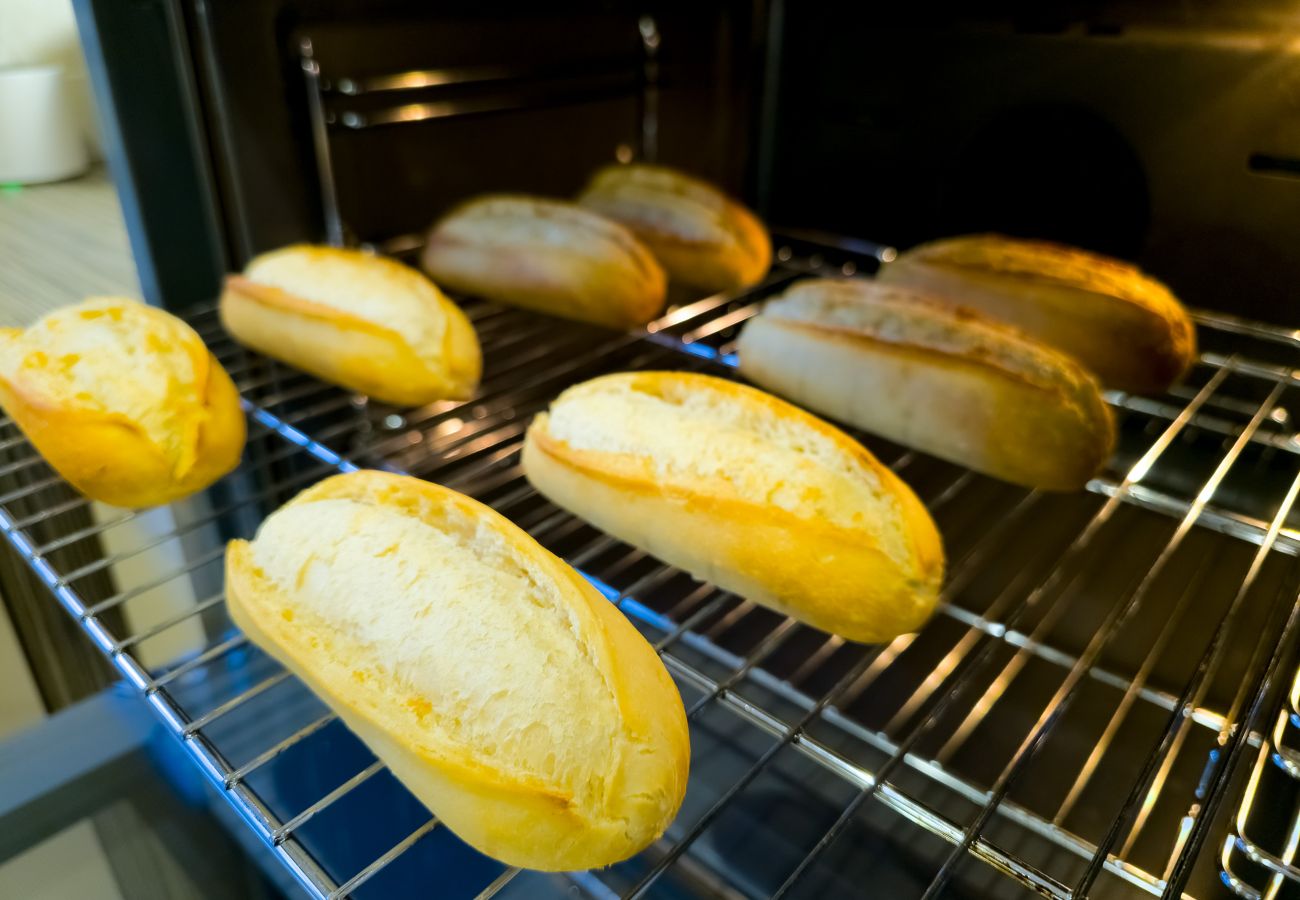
x,y
1119,322
700,235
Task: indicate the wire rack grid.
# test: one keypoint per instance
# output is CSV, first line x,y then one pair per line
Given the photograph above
x,y
1073,718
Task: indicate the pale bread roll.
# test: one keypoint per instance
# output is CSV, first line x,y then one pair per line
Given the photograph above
x,y
942,380
700,235
548,256
123,400
746,491
511,698
1123,325
363,322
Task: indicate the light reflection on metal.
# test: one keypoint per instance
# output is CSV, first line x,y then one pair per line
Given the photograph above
x,y
334,232
1203,497
1275,763
1138,681
447,427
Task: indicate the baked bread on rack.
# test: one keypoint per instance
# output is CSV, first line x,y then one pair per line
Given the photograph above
x,y
124,400
701,236
498,685
1123,325
746,491
548,256
933,377
363,322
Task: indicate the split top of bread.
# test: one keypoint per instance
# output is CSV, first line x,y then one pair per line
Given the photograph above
x,y
123,399
496,683
903,317
1122,324
549,256
365,322
746,491
702,236
944,380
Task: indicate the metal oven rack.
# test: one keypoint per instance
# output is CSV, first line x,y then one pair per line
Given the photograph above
x,y
1071,723
1261,843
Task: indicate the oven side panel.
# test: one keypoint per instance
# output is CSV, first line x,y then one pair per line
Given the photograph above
x,y
154,138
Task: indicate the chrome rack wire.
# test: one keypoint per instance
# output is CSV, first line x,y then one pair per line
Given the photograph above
x,y
163,632
1258,854
952,679
1069,724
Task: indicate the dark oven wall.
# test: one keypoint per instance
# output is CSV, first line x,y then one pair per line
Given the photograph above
x,y
1167,133
512,97
210,134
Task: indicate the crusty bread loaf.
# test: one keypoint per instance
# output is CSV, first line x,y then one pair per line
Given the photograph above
x,y
364,322
514,700
700,235
943,380
123,399
548,256
1123,325
744,490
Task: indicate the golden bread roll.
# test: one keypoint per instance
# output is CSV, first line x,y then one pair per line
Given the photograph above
x,y
1123,325
942,380
549,256
700,235
507,694
123,400
746,491
364,322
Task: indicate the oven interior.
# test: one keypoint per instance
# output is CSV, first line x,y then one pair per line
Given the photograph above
x,y
1106,704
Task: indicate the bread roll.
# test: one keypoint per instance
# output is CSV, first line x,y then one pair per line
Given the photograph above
x,y
511,698
364,322
123,400
553,257
939,379
700,235
746,491
1123,325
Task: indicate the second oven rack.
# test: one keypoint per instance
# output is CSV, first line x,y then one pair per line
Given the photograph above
x,y
923,731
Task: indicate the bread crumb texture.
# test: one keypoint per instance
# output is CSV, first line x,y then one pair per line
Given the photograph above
x,y
696,430
118,357
393,587
379,290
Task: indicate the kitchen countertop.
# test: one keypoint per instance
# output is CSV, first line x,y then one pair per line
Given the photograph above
x,y
59,243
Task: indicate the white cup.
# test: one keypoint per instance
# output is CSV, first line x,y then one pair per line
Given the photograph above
x,y
39,136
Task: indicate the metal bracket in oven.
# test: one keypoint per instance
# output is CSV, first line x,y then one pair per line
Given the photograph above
x,y
595,82
1264,837
320,143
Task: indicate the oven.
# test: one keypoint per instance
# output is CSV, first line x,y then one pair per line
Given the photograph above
x,y
1107,702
